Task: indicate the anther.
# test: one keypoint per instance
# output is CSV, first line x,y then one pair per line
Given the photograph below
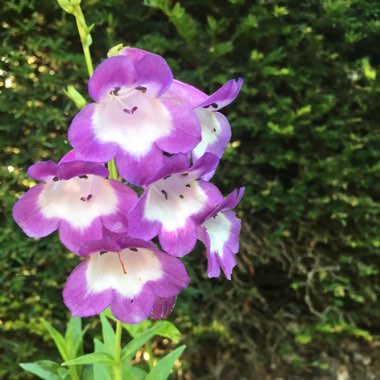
x,y
165,194
214,129
131,111
83,176
181,196
103,252
188,185
184,174
168,176
133,249
89,196
83,199
141,88
55,179
213,105
115,91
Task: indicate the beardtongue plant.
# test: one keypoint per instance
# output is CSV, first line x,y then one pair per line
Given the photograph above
x,y
167,137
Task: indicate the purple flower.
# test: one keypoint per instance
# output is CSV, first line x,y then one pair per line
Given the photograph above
x,y
76,199
220,234
216,131
133,119
130,275
174,203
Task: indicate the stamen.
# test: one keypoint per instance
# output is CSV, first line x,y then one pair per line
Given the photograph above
x,y
214,129
55,179
103,252
115,91
165,194
122,264
133,249
168,176
188,185
215,215
141,88
83,176
213,105
184,174
131,111
181,196
86,199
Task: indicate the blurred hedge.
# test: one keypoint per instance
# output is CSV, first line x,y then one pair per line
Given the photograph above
x,y
305,144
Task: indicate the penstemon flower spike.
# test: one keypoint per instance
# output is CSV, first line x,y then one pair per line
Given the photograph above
x,y
155,132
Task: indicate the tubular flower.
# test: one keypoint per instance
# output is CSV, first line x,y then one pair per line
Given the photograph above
x,y
130,275
220,234
75,198
216,130
174,202
132,120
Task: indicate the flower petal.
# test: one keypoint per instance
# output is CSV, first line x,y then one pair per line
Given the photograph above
x,y
82,137
139,226
153,73
175,277
139,170
181,241
73,237
104,244
43,171
216,133
207,163
175,164
68,170
162,307
79,297
134,54
133,310
117,71
28,215
186,133
223,96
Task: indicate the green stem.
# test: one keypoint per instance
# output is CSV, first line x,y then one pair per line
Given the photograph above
x,y
84,38
117,366
73,372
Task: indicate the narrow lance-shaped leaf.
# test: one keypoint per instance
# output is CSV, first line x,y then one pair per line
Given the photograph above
x,y
129,351
162,369
59,340
44,369
95,357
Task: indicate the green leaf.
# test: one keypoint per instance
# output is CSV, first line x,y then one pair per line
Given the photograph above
x,y
59,340
44,369
101,371
108,335
95,357
129,351
162,369
168,330
75,96
115,50
133,373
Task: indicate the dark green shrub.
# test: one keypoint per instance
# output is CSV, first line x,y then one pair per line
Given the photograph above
x,y
305,144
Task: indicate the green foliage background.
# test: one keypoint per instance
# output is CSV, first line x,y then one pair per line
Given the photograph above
x,y
305,144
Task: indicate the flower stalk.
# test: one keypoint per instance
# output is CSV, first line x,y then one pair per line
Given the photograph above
x,y
117,366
